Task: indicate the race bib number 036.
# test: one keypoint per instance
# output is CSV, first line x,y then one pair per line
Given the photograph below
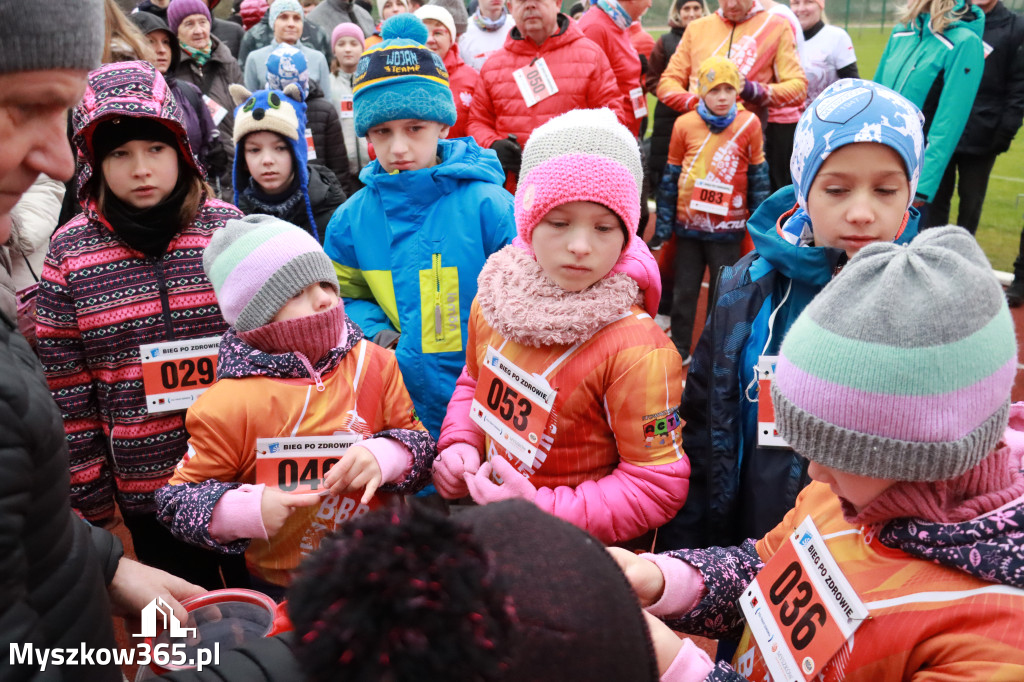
x,y
175,373
800,608
711,196
299,464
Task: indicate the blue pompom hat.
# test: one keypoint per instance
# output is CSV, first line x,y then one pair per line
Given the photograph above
x,y
853,110
400,78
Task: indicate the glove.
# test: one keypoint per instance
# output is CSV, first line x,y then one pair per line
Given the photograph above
x,y
451,465
510,154
216,161
514,486
754,92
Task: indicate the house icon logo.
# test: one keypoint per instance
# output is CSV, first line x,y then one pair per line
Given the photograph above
x,y
158,616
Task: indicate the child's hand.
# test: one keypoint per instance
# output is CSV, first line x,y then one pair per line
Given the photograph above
x,y
644,576
514,485
666,643
357,469
276,506
450,466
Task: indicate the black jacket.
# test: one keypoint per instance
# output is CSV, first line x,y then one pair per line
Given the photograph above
x,y
664,115
54,567
262,35
999,104
230,34
325,196
328,139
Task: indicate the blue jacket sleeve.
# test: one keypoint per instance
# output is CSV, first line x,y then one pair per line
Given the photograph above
x,y
758,185
668,197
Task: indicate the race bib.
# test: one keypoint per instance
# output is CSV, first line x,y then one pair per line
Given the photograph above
x,y
345,109
299,464
512,406
639,101
767,435
535,82
217,112
800,609
310,148
175,373
710,196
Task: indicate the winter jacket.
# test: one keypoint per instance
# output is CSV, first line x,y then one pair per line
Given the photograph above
x,y
328,139
601,462
256,67
999,106
99,300
762,47
54,567
463,81
213,80
355,146
623,57
579,67
261,35
229,33
330,13
477,44
739,490
33,220
940,73
664,115
415,271
944,599
356,387
325,196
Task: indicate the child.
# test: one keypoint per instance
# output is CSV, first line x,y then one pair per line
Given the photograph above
x,y
385,10
347,45
562,318
714,177
291,365
461,78
126,273
895,382
409,246
855,163
271,174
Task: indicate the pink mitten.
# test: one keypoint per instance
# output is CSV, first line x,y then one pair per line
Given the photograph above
x,y
514,486
451,465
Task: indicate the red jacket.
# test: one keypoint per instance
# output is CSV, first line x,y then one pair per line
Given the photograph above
x,y
625,62
579,67
462,79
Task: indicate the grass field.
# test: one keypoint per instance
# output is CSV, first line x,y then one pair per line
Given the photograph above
x,y
1001,217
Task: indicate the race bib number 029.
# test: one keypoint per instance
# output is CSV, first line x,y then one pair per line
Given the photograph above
x,y
299,464
175,373
800,608
711,196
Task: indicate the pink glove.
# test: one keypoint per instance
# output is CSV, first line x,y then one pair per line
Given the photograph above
x,y
451,465
515,485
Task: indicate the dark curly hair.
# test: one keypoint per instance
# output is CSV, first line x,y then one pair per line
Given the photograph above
x,y
399,595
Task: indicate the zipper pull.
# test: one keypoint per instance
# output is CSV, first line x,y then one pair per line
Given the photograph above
x,y
438,323
319,382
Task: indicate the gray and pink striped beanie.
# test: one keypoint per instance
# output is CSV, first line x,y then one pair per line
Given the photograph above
x,y
901,368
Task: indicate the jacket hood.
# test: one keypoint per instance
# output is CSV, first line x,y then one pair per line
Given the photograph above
x,y
148,22
129,89
462,159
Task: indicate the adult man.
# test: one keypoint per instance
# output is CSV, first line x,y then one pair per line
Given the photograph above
x,y
286,17
485,33
59,576
544,47
761,45
608,25
330,13
994,119
262,34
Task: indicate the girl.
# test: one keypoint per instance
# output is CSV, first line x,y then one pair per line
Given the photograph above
x,y
271,173
291,366
347,44
124,274
461,78
828,51
917,502
570,390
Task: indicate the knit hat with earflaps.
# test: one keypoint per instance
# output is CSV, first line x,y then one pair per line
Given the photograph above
x,y
901,368
287,65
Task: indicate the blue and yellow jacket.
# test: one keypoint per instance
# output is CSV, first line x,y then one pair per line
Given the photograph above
x,y
408,248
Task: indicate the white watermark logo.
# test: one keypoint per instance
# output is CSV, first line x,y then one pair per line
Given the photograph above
x,y
157,616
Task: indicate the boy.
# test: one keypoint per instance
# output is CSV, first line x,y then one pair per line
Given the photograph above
x,y
408,247
855,164
716,175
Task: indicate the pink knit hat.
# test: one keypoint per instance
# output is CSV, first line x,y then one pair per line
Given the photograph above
x,y
347,30
587,155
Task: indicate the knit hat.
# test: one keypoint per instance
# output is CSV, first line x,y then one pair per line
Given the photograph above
x,y
257,263
283,6
50,34
501,592
853,110
381,3
901,368
400,78
460,15
275,111
714,71
347,30
114,132
287,65
251,12
438,14
179,10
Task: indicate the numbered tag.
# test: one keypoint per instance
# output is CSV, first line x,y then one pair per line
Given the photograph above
x,y
710,196
801,608
217,112
767,435
299,464
175,373
535,82
512,406
639,101
986,49
345,109
310,148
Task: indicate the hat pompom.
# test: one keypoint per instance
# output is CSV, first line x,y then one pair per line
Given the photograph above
x,y
405,26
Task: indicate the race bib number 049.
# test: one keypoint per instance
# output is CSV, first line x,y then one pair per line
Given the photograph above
x,y
175,373
299,464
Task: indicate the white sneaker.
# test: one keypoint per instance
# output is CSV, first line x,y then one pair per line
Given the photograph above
x,y
663,321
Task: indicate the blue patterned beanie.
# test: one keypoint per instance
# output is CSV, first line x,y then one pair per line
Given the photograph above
x,y
853,110
285,65
400,78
